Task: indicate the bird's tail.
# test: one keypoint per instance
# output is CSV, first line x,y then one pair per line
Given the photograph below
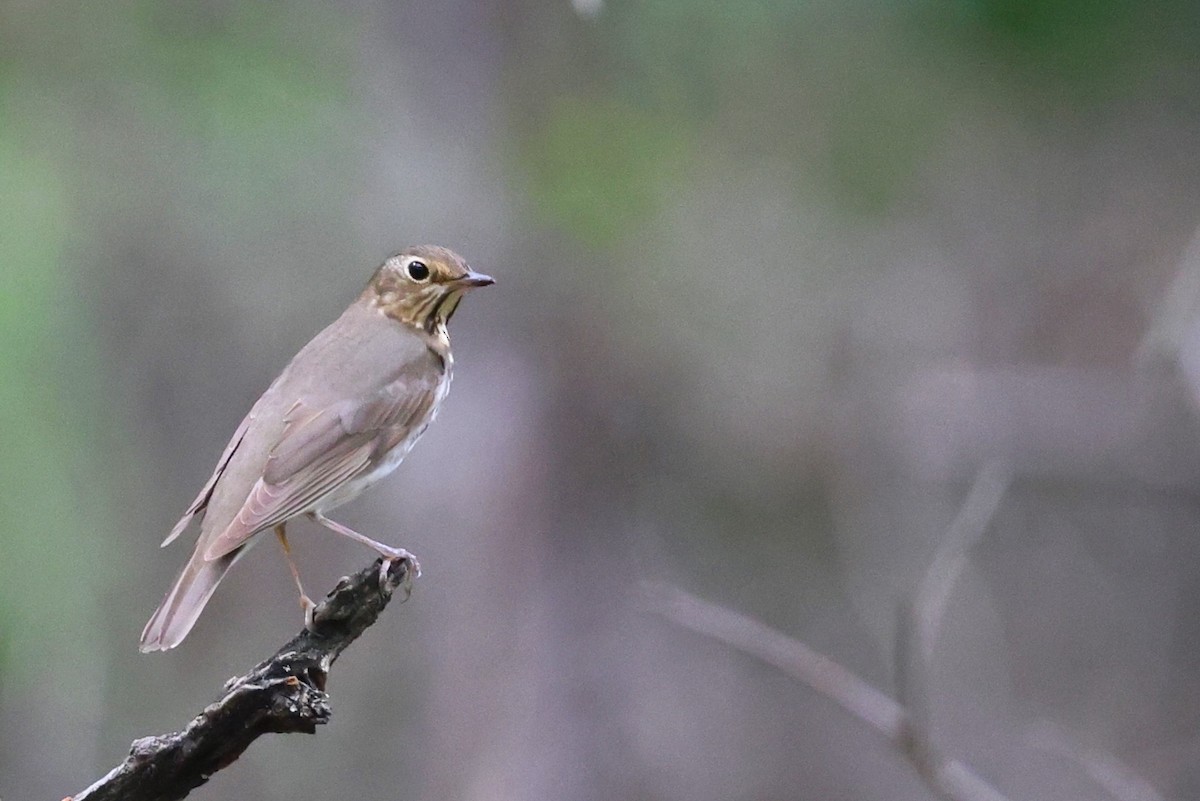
x,y
179,610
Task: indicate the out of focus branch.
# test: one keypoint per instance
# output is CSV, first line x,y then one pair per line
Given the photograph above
x,y
1101,767
1173,325
906,724
819,672
285,693
920,623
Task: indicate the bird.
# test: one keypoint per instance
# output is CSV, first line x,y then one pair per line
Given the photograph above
x,y
342,415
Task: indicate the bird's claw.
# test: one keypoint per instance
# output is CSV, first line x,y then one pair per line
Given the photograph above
x,y
309,609
412,569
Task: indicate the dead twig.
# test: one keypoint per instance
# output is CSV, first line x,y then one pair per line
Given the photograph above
x,y
908,723
829,678
285,693
920,623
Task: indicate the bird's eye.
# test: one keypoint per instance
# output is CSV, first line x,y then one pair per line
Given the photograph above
x,y
417,270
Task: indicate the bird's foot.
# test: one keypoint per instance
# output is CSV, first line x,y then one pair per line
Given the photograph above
x,y
309,609
412,569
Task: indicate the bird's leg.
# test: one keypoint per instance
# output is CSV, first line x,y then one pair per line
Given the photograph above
x,y
386,551
305,601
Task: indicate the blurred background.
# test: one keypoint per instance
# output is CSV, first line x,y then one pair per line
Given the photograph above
x,y
775,280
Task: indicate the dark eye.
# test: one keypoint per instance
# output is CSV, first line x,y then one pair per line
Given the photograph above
x,y
417,270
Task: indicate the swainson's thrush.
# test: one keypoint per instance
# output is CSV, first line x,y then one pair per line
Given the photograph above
x,y
340,416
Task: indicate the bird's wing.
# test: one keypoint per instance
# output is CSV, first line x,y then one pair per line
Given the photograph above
x,y
320,449
202,499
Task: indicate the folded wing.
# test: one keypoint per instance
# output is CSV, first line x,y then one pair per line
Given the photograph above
x,y
322,449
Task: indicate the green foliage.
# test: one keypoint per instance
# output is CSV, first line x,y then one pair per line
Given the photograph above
x,y
686,56
852,99
1078,36
47,510
755,77
1083,51
256,91
879,132
598,168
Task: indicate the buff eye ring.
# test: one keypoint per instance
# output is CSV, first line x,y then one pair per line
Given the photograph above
x,y
417,270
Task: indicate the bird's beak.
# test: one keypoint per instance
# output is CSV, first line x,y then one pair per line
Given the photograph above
x,y
473,279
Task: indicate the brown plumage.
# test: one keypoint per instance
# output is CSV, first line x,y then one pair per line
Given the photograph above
x,y
340,416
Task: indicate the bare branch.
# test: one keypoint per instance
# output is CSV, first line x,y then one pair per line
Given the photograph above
x,y
1176,315
921,621
1101,767
906,726
816,670
285,693
791,656
967,529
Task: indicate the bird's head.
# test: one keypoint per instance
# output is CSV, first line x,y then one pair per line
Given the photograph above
x,y
422,285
